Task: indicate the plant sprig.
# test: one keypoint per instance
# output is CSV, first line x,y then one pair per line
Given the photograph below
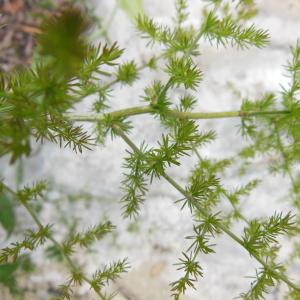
x,y
36,102
273,226
33,239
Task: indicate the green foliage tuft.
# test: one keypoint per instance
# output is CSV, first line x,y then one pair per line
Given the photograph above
x,y
127,73
62,38
108,273
183,72
227,31
259,236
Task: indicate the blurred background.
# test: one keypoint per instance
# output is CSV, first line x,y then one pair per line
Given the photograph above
x,y
85,188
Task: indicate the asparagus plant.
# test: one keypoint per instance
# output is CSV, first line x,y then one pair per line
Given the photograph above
x,y
37,105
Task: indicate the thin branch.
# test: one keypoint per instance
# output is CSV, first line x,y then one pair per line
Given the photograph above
x,y
139,110
285,158
205,214
235,208
51,238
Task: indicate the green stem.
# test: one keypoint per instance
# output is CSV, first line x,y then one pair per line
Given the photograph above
x,y
205,214
197,153
52,239
139,110
197,38
285,158
231,234
235,208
